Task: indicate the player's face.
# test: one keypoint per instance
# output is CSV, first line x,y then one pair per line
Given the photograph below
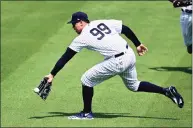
x,y
78,27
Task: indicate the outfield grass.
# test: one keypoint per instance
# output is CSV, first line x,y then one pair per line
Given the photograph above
x,y
35,35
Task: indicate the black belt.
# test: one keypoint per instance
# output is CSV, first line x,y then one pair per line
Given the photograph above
x,y
187,11
122,53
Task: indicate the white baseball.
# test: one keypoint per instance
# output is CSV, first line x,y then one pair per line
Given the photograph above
x,y
36,90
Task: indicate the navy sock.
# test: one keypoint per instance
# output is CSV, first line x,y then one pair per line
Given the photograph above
x,y
87,94
149,87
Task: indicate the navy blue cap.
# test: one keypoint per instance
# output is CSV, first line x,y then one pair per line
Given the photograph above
x,y
77,16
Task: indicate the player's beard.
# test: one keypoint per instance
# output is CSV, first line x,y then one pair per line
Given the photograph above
x,y
78,32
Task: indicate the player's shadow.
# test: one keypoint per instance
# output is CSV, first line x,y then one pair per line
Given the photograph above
x,y
182,69
101,115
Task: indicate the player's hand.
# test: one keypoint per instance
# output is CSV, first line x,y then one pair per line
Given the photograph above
x,y
141,50
50,78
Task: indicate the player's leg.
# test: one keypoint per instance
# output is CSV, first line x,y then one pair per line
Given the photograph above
x,y
129,77
130,80
171,92
186,26
87,94
90,78
189,35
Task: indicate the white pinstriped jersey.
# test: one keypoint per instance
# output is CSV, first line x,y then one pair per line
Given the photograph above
x,y
102,36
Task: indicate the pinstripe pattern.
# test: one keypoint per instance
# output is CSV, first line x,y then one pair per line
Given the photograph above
x,y
109,44
186,26
124,66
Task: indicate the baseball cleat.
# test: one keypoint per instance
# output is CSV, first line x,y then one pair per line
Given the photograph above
x,y
81,116
171,92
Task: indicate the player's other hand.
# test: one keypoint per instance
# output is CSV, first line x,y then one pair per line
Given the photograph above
x,y
50,78
141,50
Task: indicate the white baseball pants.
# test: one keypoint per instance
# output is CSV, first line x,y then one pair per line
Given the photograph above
x,y
124,66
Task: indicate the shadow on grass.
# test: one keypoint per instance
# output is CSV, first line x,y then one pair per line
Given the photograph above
x,y
101,115
182,69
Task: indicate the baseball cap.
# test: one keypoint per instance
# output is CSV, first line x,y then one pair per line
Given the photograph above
x,y
77,16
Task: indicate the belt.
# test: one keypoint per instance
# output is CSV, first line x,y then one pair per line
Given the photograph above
x,y
122,53
187,11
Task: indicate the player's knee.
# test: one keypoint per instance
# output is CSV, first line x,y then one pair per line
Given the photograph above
x,y
133,85
85,81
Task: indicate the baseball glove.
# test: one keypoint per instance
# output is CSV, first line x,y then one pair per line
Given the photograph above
x,y
43,88
181,3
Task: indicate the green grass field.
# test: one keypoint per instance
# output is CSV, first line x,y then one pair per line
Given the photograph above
x,y
35,35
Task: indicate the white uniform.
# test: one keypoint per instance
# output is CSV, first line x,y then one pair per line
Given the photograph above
x,y
103,36
186,25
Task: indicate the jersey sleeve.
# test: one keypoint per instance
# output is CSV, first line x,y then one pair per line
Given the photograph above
x,y
77,45
116,24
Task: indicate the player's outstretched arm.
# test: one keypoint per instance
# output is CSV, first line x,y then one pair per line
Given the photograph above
x,y
60,63
130,35
141,49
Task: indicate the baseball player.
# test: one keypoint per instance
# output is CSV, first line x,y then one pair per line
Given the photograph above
x,y
185,21
104,37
